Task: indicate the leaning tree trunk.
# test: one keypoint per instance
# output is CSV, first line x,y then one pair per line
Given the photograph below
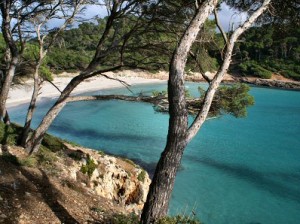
x,y
34,143
31,108
5,89
12,59
178,136
162,184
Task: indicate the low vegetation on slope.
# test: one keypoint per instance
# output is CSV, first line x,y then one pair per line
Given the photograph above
x,y
59,184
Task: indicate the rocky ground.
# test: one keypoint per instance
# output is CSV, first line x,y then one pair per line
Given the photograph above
x,y
54,189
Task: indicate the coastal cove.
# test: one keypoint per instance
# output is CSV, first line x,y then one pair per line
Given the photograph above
x,y
235,171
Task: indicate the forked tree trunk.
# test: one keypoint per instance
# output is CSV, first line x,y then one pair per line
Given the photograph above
x,y
162,184
161,187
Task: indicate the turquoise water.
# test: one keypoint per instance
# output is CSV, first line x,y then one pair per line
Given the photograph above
x,y
236,171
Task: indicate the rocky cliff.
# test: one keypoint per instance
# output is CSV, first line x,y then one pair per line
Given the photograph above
x,y
116,179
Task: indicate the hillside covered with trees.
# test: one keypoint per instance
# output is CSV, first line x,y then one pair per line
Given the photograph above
x,y
263,50
268,49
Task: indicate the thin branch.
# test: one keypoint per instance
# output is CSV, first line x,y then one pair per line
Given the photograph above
x,y
147,99
100,72
118,80
56,87
224,35
207,79
202,115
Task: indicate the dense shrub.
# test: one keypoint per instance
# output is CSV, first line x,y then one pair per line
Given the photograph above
x,y
45,73
53,143
252,68
9,134
142,175
89,167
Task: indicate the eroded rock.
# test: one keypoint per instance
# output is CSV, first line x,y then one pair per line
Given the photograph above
x,y
112,178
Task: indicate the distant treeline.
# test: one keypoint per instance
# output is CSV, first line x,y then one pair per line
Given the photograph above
x,y
261,51
270,49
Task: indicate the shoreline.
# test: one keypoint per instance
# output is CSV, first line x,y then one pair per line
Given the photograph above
x,y
21,94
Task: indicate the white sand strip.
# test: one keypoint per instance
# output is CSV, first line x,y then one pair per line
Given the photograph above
x,y
22,93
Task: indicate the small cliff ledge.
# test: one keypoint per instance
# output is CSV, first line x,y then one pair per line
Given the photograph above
x,y
116,179
71,185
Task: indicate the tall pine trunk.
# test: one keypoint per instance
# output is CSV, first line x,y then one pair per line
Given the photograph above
x,y
179,134
156,206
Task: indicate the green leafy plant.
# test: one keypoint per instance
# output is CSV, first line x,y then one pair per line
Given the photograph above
x,y
142,175
252,68
30,161
53,143
89,167
46,156
45,73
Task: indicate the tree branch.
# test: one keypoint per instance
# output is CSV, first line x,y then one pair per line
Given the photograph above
x,y
202,115
224,35
207,79
118,80
55,86
147,99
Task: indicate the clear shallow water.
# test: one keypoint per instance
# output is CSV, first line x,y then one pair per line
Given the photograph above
x,y
237,171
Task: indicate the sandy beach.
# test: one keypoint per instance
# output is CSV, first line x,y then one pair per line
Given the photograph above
x,y
20,94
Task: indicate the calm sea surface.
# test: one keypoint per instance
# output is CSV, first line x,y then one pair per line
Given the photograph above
x,y
236,171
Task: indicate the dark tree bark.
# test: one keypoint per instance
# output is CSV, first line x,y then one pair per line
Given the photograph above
x,y
13,56
18,12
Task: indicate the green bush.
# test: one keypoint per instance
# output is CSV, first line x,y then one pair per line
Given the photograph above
x,y
233,99
53,143
291,74
30,161
89,167
101,153
252,68
45,73
159,93
142,175
45,156
9,133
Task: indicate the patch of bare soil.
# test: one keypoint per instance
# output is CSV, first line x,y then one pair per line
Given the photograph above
x,y
41,195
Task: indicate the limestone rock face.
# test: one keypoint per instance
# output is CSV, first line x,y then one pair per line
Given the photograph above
x,y
117,179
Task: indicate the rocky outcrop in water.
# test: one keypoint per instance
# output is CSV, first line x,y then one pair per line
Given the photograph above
x,y
273,83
